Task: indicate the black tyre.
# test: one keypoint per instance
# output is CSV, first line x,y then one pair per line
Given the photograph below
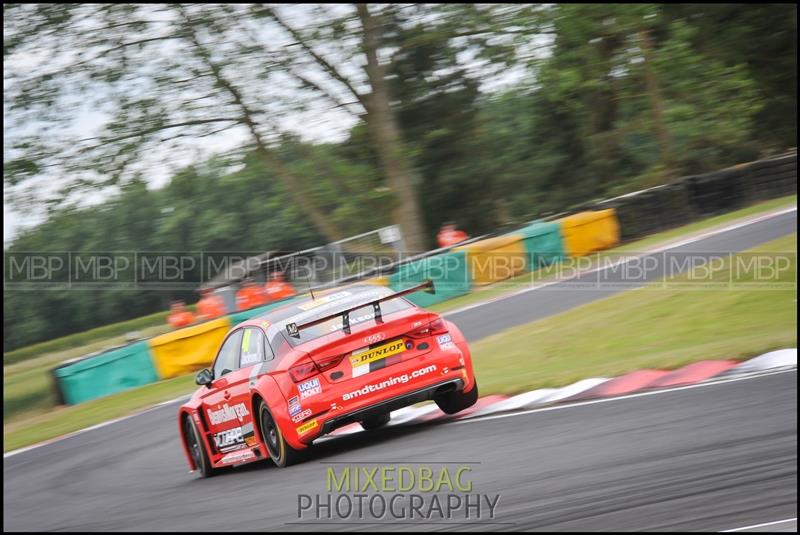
x,y
453,402
374,422
279,450
196,449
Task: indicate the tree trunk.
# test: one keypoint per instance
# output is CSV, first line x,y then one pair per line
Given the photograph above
x,y
294,187
387,139
656,101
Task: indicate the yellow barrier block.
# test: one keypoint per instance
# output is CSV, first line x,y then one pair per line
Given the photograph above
x,y
380,281
189,349
585,232
496,259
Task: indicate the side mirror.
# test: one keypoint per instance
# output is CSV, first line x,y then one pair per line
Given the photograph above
x,y
204,377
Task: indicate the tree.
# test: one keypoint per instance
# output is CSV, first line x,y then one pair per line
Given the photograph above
x,y
161,77
167,76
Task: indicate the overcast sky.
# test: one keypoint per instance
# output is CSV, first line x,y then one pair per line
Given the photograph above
x,y
321,123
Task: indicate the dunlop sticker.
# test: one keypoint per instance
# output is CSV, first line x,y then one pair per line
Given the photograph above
x,y
370,355
306,427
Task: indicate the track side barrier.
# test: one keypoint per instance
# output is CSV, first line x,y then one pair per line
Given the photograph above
x,y
188,349
448,271
543,244
109,372
586,232
496,259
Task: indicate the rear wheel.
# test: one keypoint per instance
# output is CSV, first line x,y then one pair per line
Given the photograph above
x,y
453,402
279,450
196,449
374,422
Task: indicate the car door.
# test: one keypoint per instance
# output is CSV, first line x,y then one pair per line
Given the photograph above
x,y
251,355
225,416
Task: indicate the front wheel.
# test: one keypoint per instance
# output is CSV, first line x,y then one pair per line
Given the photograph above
x,y
279,450
196,449
453,402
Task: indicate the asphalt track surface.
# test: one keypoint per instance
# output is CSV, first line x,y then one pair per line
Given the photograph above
x,y
714,457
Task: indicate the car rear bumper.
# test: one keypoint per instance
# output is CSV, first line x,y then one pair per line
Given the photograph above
x,y
392,404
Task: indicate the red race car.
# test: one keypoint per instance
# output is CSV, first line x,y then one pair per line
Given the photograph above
x,y
284,379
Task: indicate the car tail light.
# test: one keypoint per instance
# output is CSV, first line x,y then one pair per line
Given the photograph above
x,y
436,326
326,363
302,371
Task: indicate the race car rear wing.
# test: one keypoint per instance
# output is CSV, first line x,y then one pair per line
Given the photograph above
x,y
294,329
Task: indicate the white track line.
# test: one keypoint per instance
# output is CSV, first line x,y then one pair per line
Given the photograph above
x,y
627,259
617,398
765,524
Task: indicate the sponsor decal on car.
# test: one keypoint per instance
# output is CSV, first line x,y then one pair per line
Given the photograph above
x,y
226,413
445,341
399,379
306,427
234,438
299,417
309,388
237,457
366,360
294,406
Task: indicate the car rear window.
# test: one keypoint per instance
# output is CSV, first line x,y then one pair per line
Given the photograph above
x,y
325,305
357,316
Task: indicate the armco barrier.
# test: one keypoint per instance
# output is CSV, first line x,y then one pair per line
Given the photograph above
x,y
586,232
717,192
107,373
773,177
543,244
188,349
448,271
496,259
651,210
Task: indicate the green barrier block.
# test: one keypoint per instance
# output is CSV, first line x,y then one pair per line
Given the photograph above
x,y
244,315
543,244
449,273
107,373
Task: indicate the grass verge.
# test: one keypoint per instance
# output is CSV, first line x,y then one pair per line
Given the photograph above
x,y
650,327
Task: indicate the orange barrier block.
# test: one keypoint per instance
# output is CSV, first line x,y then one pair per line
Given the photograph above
x,y
189,349
586,232
496,259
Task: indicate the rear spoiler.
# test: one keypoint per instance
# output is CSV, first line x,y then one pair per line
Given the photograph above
x,y
294,329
